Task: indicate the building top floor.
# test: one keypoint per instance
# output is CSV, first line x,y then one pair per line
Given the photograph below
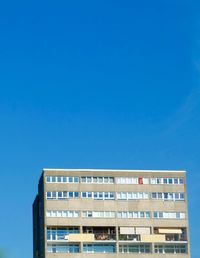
x,y
108,176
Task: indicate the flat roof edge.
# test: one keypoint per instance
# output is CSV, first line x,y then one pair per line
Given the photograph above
x,y
114,170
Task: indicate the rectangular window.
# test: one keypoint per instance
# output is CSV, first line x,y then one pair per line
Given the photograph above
x,y
106,180
65,195
70,194
76,194
59,179
100,179
175,181
140,180
84,195
64,179
145,181
123,196
89,180
170,181
111,180
60,195
153,181
76,179
48,179
54,196
48,195
70,179
83,179
53,179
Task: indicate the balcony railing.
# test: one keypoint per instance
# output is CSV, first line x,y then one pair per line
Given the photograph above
x,y
104,237
175,238
129,237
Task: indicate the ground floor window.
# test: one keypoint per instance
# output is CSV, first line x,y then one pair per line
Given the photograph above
x,y
136,248
63,248
170,249
99,248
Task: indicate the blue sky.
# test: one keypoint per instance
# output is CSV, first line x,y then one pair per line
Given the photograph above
x,y
95,84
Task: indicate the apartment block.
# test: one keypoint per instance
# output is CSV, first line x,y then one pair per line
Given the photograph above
x,y
111,213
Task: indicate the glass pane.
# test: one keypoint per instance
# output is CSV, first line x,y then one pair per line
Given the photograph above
x,y
48,178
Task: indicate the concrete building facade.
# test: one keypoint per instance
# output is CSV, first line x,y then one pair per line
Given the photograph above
x,y
110,213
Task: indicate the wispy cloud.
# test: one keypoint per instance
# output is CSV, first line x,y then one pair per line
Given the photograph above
x,y
188,112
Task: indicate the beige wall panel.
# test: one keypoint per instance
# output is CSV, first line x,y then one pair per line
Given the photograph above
x,y
169,223
63,222
78,222
138,205
127,230
149,188
81,238
143,230
113,222
152,238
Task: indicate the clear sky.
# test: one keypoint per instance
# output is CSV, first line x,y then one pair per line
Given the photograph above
x,y
95,84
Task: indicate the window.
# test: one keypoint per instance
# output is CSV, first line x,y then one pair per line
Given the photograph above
x,y
76,179
73,194
83,179
54,195
76,194
97,180
63,248
173,249
84,194
111,180
132,180
61,233
106,180
53,179
99,248
59,179
168,215
170,181
167,181
70,194
131,195
168,196
98,195
70,179
135,248
145,181
153,181
100,180
175,181
49,195
61,195
98,214
48,179
88,180
64,179
133,214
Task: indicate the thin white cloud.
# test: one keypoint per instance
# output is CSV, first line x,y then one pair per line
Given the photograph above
x,y
188,112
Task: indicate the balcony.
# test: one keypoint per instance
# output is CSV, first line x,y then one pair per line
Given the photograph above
x,y
104,237
101,233
175,237
129,238
172,234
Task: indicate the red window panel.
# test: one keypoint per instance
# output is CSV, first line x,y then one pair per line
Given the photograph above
x,y
140,180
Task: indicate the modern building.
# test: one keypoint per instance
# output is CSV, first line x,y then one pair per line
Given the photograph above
x,y
111,213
